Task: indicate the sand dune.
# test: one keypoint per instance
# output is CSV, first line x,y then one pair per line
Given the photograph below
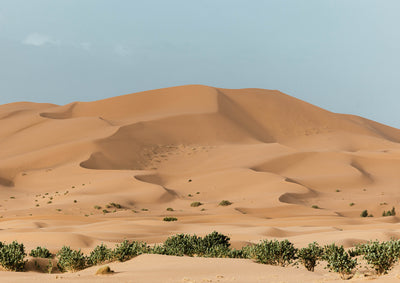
x,y
273,156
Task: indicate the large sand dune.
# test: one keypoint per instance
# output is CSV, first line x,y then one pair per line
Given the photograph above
x,y
271,155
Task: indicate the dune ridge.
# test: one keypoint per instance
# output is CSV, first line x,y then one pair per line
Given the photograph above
x,y
287,167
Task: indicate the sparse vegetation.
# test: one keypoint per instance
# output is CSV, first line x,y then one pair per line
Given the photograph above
x,y
170,209
40,252
275,252
351,204
310,255
381,256
97,207
315,206
70,260
115,205
339,260
195,204
364,213
12,256
225,203
169,219
127,250
391,212
99,255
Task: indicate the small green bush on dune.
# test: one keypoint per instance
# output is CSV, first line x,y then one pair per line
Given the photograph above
x,y
12,256
382,256
310,255
70,260
99,255
127,250
40,252
339,260
275,252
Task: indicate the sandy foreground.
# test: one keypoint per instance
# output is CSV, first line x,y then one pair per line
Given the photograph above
x,y
273,156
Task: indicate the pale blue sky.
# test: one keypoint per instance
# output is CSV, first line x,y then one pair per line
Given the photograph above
x,y
342,55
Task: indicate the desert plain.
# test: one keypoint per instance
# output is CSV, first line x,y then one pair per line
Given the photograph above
x,y
290,169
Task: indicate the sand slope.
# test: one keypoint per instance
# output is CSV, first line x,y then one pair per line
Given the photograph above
x,y
271,155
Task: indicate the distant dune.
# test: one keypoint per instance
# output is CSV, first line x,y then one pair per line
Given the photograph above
x,y
291,170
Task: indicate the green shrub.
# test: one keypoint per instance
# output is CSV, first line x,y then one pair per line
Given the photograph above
x,y
157,249
364,213
99,255
170,209
249,251
310,255
40,252
182,244
391,212
70,260
113,204
127,250
195,204
339,260
315,206
275,252
215,239
12,256
169,219
382,256
214,245
225,203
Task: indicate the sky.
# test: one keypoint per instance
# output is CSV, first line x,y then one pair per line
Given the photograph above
x,y
341,55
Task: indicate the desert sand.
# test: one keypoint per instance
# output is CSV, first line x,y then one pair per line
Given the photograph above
x,y
272,155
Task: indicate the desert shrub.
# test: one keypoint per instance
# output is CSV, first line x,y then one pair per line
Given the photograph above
x,y
195,204
127,250
170,209
215,251
214,245
40,252
364,213
391,212
70,260
169,219
275,252
310,255
12,256
157,249
215,239
249,252
99,255
113,204
225,203
339,260
315,206
182,244
382,256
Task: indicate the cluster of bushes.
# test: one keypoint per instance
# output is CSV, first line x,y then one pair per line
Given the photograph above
x,y
380,255
391,212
